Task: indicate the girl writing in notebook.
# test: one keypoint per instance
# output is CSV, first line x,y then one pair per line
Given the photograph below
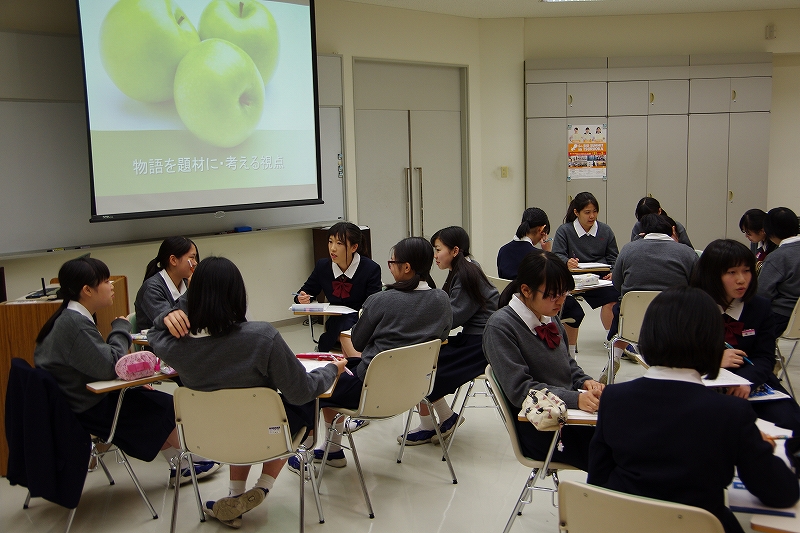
x,y
584,239
473,299
213,346
165,279
346,278
726,272
524,343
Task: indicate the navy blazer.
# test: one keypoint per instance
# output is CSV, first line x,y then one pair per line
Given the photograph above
x,y
679,442
510,256
759,346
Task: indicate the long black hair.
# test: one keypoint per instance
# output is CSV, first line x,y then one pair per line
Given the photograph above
x,y
781,223
540,268
216,298
581,200
469,273
533,217
177,246
73,276
646,206
753,221
717,258
418,253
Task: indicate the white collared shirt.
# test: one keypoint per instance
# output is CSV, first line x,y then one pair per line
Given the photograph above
x,y
77,306
527,316
735,310
351,270
688,375
581,232
524,238
200,334
790,240
175,291
423,286
658,237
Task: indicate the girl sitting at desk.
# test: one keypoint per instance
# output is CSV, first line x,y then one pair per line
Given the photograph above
x,y
752,225
70,347
211,344
524,343
473,299
725,272
667,436
649,205
165,279
347,278
408,312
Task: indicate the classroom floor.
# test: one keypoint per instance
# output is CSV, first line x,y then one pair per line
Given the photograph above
x,y
415,496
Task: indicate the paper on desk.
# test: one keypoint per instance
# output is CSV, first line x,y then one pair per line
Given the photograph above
x,y
740,500
577,414
322,308
312,364
593,266
726,378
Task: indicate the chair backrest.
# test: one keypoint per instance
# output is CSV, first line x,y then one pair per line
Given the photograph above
x,y
793,327
132,319
499,283
234,426
586,508
631,313
399,379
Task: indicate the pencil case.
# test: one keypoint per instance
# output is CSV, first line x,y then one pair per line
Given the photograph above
x,y
137,365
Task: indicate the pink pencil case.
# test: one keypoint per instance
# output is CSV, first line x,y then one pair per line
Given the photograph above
x,y
137,365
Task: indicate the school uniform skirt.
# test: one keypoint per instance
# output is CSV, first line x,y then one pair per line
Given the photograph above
x,y
334,325
347,393
146,419
600,297
573,448
460,360
299,416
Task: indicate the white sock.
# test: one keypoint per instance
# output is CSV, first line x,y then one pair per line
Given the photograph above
x,y
265,482
442,409
237,487
425,422
573,350
170,454
617,353
336,438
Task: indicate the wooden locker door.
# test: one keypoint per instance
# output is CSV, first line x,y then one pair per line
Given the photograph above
x,y
667,139
546,167
383,177
627,172
708,178
748,166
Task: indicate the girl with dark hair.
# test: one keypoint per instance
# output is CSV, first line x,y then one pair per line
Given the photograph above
x,y
408,312
649,205
583,238
473,299
534,229
778,279
681,339
725,272
174,264
752,225
70,347
208,340
524,343
346,278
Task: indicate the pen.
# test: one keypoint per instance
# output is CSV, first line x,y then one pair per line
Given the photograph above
x,y
779,437
746,360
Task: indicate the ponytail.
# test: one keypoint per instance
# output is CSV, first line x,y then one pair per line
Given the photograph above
x,y
418,253
177,246
581,200
533,217
469,273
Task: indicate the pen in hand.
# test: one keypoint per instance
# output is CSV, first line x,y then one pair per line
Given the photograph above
x,y
746,360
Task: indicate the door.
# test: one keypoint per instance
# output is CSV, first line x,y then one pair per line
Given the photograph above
x,y
708,178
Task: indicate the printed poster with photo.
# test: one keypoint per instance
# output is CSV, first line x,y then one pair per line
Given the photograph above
x,y
586,151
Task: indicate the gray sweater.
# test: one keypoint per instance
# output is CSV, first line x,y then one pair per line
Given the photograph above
x,y
392,318
779,279
467,312
653,265
153,299
588,249
75,354
254,355
521,361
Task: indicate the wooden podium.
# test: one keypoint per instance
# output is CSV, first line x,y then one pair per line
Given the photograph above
x,y
20,322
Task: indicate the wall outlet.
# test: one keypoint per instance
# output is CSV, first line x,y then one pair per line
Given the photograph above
x,y
503,172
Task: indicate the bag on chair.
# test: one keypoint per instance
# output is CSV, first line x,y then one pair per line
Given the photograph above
x,y
543,409
137,365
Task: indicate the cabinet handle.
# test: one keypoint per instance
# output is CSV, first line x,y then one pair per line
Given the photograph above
x,y
733,95
730,196
421,207
409,202
569,100
652,98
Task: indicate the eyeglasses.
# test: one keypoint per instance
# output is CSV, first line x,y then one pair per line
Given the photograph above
x,y
553,297
390,263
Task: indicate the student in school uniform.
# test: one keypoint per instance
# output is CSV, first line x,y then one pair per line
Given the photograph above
x,y
752,225
533,230
582,238
347,278
473,299
667,436
213,346
648,205
653,263
409,311
165,279
70,347
524,343
725,272
779,279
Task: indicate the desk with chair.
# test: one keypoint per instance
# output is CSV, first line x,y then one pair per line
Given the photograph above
x,y
327,310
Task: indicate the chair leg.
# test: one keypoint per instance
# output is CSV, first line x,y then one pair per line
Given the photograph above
x,y
358,467
460,413
315,487
784,373
455,397
126,463
610,369
105,469
302,458
439,434
328,445
405,436
70,518
524,497
27,501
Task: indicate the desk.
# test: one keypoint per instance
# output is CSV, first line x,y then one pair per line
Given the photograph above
x,y
575,417
591,268
327,310
776,524
586,288
20,322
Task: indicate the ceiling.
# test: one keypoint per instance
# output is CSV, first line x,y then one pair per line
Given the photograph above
x,y
59,16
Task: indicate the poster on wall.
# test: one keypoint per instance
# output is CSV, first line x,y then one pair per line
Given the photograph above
x,y
586,151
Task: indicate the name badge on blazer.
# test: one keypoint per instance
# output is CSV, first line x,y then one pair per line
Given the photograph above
x,y
748,332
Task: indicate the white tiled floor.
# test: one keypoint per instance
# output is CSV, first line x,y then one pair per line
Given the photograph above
x,y
415,496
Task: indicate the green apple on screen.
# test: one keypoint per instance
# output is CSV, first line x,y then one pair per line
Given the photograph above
x,y
141,44
247,24
219,93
